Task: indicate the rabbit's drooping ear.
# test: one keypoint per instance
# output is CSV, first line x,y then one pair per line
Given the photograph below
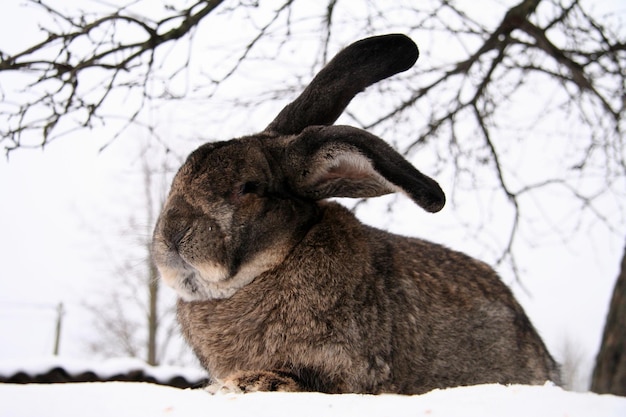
x,y
358,66
343,161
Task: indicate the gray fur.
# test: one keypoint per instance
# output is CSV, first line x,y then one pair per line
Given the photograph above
x,y
282,290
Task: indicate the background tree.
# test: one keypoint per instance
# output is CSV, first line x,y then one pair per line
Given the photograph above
x,y
134,318
547,171
609,375
466,95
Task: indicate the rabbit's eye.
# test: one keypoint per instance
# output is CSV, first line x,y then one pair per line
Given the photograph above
x,y
250,187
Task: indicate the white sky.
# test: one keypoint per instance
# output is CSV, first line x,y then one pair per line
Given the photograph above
x,y
62,208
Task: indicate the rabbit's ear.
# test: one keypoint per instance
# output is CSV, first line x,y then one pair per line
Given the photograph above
x,y
343,161
358,66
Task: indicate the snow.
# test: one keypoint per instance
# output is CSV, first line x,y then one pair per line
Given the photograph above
x,y
104,369
134,399
142,399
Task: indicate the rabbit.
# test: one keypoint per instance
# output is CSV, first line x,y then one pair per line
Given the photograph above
x,y
280,289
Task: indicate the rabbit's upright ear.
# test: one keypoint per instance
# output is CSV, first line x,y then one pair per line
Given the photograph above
x,y
343,161
356,67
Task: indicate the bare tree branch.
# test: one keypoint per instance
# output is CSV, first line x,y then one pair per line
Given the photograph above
x,y
456,104
59,78
516,50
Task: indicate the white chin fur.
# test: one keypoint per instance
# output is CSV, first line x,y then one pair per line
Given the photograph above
x,y
211,281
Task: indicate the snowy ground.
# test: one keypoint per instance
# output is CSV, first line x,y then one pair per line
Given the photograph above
x,y
121,399
141,399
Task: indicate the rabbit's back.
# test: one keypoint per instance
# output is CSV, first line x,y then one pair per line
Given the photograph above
x,y
355,309
471,328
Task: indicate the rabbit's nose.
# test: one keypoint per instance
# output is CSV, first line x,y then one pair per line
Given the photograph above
x,y
177,238
175,222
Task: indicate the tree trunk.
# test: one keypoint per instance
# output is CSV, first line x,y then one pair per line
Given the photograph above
x,y
153,275
153,314
609,375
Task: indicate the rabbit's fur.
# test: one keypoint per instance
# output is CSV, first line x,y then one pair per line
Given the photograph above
x,y
282,290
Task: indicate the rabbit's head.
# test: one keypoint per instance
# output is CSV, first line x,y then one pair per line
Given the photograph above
x,y
237,208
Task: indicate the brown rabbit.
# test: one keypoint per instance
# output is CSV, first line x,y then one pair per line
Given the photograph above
x,y
282,290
